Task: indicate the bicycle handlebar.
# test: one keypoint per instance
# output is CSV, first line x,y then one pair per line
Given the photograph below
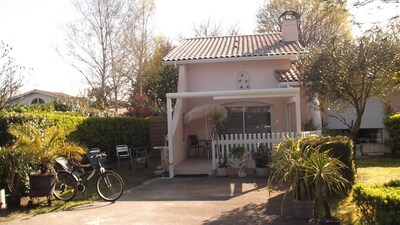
x,y
100,155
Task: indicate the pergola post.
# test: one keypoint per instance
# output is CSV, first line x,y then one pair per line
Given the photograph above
x,y
170,142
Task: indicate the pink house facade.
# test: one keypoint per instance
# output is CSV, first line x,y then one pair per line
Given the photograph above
x,y
254,77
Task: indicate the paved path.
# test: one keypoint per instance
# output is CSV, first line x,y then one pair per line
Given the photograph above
x,y
211,200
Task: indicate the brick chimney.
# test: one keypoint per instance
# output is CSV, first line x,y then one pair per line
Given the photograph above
x,y
289,26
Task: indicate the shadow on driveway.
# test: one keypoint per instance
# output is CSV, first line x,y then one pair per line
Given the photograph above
x,y
194,189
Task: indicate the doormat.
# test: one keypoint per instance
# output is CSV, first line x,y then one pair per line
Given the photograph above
x,y
190,175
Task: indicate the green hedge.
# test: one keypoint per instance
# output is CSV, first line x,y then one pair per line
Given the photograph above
x,y
392,124
106,133
378,205
102,132
341,148
67,123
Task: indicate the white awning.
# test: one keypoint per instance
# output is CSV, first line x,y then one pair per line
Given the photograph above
x,y
239,94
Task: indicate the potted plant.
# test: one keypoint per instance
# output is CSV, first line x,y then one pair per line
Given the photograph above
x,y
14,167
43,146
261,157
239,153
288,167
327,178
223,165
216,119
310,173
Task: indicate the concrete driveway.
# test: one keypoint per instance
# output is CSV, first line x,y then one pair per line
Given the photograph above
x,y
210,200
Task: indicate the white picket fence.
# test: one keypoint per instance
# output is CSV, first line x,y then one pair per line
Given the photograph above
x,y
250,141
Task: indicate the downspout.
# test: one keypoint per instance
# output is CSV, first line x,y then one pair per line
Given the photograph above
x,y
298,114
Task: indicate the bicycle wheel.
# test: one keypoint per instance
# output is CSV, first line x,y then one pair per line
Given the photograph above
x,y
66,187
110,186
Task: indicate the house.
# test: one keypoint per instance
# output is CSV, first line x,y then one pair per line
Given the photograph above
x,y
255,78
36,97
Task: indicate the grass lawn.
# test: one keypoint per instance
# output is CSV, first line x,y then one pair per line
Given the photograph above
x,y
132,178
370,171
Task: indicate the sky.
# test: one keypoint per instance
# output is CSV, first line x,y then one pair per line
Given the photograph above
x,y
33,28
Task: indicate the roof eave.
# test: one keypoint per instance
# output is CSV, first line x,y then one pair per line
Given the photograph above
x,y
232,59
289,83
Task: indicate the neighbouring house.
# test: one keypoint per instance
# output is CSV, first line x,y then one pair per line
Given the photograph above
x,y
36,97
255,78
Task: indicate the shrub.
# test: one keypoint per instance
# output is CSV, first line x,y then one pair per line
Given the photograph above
x,y
392,124
261,156
41,120
378,205
341,147
106,133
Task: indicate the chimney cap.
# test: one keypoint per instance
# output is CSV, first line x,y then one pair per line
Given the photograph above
x,y
289,15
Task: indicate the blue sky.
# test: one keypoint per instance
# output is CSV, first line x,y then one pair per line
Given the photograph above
x,y
33,29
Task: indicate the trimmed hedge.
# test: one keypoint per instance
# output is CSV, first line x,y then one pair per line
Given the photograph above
x,y
378,205
67,123
392,124
341,147
102,132
106,133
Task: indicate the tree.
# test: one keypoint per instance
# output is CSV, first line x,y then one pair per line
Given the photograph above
x,y
344,73
375,7
160,79
138,42
209,28
10,75
92,42
319,20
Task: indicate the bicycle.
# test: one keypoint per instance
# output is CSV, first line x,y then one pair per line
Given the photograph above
x,y
72,178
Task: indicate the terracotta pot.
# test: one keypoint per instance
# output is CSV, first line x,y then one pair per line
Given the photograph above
x,y
222,171
13,201
262,172
41,185
304,209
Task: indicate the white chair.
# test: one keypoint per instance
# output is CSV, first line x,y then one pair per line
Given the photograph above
x,y
123,152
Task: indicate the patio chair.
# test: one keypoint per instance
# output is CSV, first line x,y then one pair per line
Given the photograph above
x,y
123,152
193,143
140,156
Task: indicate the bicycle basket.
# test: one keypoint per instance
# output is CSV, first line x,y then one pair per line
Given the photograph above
x,y
91,157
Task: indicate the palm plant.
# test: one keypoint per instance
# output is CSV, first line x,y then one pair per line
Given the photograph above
x,y
312,174
326,177
289,167
43,146
216,118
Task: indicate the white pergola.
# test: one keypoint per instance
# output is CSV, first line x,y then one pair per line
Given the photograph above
x,y
289,92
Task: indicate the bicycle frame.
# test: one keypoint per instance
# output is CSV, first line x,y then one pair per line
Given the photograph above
x,y
109,185
83,177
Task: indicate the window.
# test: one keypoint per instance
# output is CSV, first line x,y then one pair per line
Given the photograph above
x,y
248,119
37,101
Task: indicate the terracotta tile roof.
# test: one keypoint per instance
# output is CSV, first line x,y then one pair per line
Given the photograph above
x,y
291,75
233,47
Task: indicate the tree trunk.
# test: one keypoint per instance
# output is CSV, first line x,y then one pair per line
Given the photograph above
x,y
327,209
